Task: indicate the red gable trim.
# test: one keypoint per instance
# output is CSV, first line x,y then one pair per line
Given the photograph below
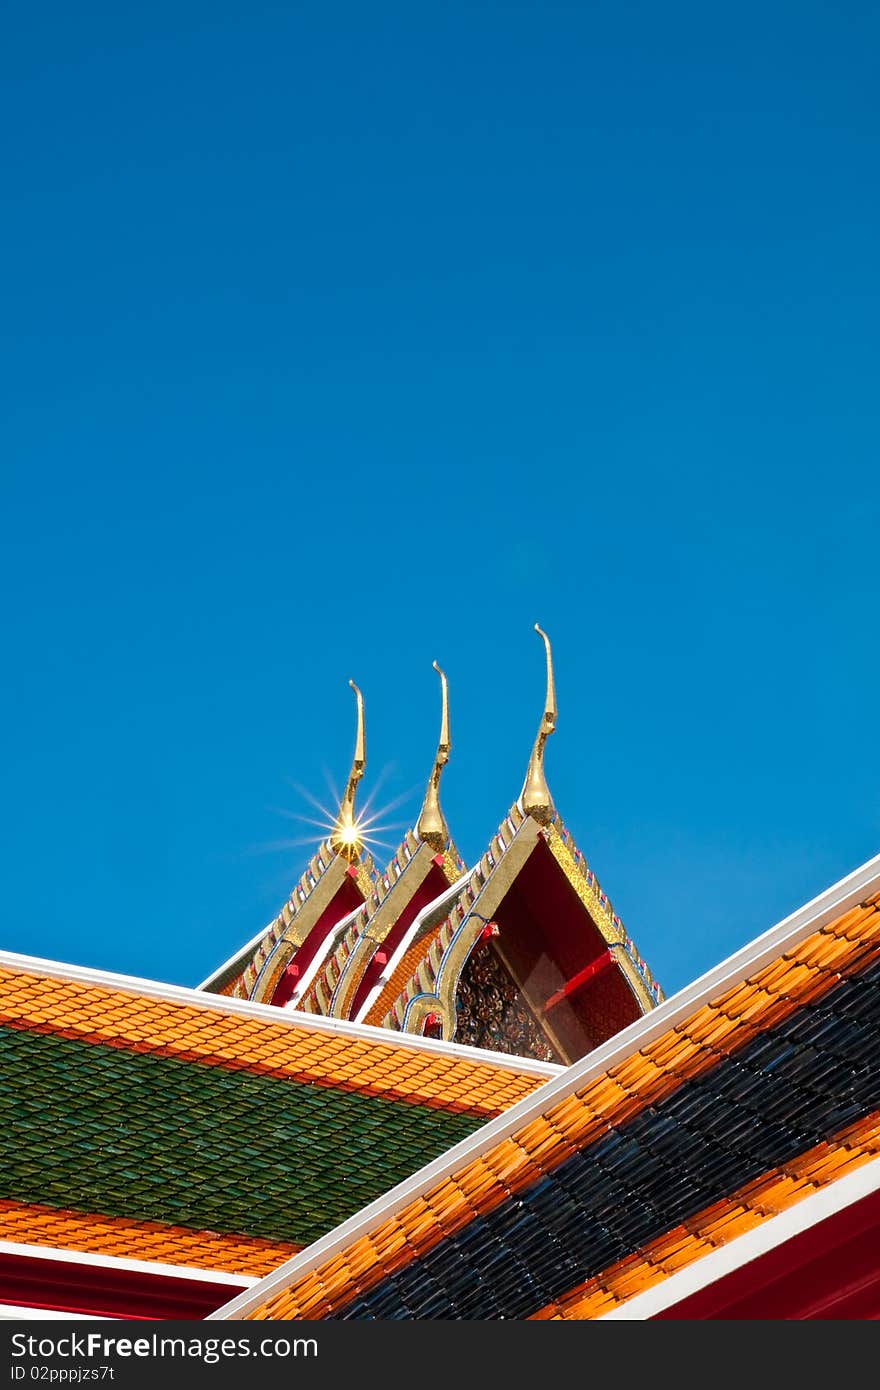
x,y
830,1270
101,1291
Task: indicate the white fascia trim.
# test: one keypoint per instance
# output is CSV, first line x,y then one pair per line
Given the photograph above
x,y
12,1311
772,1232
121,1262
269,1013
327,945
239,957
834,902
441,900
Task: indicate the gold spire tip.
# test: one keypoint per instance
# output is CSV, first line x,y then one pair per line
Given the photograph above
x,y
345,838
431,826
536,800
550,711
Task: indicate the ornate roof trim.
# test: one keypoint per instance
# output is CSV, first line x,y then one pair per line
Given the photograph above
x,y
251,958
586,885
460,930
347,954
374,1006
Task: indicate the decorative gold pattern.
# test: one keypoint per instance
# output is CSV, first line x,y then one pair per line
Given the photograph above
x,y
441,967
316,868
498,868
493,889
492,1012
420,1010
303,922
585,884
343,970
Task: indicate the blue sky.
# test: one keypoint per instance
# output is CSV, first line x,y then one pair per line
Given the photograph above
x,y
336,339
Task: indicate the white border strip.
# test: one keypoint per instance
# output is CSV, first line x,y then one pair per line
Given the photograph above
x,y
122,1262
329,943
441,901
26,1313
833,903
772,1232
239,958
269,1013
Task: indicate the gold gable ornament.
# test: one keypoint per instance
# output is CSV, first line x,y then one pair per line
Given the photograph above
x,y
345,838
431,826
535,798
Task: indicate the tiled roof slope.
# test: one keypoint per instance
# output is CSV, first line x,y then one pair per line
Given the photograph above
x,y
167,1124
748,1091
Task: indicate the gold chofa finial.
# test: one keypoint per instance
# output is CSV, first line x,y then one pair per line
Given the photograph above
x,y
431,827
536,800
345,838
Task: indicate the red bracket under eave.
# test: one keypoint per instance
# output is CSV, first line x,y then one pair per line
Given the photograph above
x,y
583,977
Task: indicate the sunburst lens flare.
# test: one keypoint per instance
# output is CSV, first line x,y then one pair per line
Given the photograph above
x,y
347,834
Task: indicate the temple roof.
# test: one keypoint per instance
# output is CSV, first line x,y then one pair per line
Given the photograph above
x,y
167,1125
525,956
741,1096
431,978
359,1115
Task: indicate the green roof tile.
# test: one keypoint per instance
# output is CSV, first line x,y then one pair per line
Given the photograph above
x,y
99,1129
